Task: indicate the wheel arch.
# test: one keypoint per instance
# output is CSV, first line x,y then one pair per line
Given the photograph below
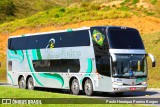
x,y
83,81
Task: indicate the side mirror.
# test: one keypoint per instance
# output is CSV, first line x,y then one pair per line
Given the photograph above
x,y
153,60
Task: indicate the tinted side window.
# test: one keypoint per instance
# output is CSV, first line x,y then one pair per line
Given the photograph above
x,y
9,65
103,65
64,65
52,40
125,39
74,65
47,65
75,38
57,65
101,52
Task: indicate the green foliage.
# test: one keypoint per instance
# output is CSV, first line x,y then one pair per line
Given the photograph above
x,y
124,8
135,1
62,16
149,13
113,5
106,8
157,9
152,45
125,2
94,7
153,2
24,8
62,10
84,5
11,10
7,10
157,41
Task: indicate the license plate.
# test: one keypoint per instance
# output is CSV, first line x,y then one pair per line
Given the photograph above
x,y
133,88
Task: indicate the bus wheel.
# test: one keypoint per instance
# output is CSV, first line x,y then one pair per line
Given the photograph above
x,y
22,83
88,87
75,87
30,83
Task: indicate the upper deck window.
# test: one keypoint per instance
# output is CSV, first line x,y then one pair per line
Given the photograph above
x,y
50,40
124,39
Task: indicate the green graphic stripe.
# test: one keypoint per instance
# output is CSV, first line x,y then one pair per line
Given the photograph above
x,y
89,70
12,52
20,52
53,76
14,56
32,69
34,54
10,77
15,51
39,54
69,30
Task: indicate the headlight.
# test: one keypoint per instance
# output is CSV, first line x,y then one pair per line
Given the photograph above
x,y
117,83
144,83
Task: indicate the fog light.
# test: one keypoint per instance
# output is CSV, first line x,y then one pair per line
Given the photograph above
x,y
117,83
144,83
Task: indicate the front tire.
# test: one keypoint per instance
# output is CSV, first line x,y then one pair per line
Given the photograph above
x,y
75,87
30,83
88,87
22,83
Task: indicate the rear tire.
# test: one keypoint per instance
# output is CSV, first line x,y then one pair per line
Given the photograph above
x,y
75,87
30,83
88,87
22,83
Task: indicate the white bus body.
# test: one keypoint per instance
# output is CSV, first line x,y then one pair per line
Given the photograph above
x,y
102,58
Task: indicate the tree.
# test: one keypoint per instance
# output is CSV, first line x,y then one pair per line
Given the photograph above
x,y
7,7
10,8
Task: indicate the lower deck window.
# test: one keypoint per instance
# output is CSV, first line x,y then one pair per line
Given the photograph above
x,y
9,65
103,65
73,65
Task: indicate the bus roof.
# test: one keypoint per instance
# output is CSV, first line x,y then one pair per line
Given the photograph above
x,y
58,31
76,29
115,27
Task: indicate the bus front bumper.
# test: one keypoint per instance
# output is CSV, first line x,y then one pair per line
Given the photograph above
x,y
117,88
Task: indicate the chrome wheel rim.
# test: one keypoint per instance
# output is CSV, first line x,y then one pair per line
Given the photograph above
x,y
30,84
75,87
88,87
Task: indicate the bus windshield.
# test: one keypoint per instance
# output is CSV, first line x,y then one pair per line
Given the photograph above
x,y
130,65
124,39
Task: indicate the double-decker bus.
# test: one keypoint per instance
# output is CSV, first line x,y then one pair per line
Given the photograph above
x,y
98,58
